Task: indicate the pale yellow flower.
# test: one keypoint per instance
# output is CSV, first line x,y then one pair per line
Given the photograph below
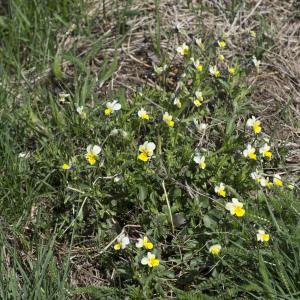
x,y
262,236
150,260
143,114
168,119
231,70
215,249
62,97
197,64
146,151
222,44
200,44
111,107
277,180
235,207
265,151
250,152
177,102
254,124
144,242
213,70
220,190
183,49
92,153
80,110
200,161
122,242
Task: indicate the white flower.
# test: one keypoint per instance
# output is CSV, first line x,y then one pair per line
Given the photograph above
x,y
150,260
24,155
111,107
256,176
200,127
256,62
81,112
254,124
249,152
93,149
220,190
213,70
183,49
200,43
122,242
265,151
143,114
92,153
200,160
262,236
197,64
146,151
235,207
265,182
177,102
144,242
168,119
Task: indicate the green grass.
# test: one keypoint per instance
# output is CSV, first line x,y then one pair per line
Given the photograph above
x,y
55,222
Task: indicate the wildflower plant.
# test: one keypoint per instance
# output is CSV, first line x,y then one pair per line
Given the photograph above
x,y
182,162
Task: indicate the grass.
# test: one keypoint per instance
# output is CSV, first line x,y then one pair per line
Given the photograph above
x,y
59,227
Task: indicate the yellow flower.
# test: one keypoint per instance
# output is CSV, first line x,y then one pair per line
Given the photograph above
x,y
220,190
143,114
252,33
235,207
249,152
81,112
146,151
221,57
255,124
200,161
277,180
183,49
197,64
122,242
265,151
177,102
221,44
265,182
168,119
111,107
198,100
231,70
144,242
262,236
150,260
66,166
92,153
213,70
215,249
